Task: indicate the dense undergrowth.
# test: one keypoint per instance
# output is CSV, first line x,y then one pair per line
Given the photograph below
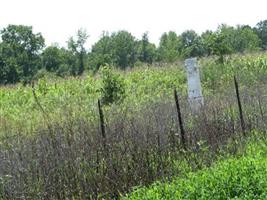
x,y
78,96
236,177
52,147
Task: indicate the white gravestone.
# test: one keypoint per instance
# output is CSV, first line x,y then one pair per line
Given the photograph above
x,y
194,86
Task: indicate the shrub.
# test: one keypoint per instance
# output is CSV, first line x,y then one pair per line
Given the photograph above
x,y
113,86
243,178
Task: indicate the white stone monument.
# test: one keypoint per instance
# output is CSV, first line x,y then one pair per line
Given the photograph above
x,y
194,86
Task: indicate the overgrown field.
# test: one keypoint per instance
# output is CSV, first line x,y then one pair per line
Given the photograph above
x,y
52,146
77,97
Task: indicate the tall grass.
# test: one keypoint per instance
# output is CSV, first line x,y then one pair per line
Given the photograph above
x,y
70,160
242,177
63,155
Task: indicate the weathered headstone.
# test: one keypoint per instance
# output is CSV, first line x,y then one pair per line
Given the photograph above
x,y
194,86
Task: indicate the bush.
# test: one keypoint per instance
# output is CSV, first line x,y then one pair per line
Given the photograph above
x,y
243,178
113,86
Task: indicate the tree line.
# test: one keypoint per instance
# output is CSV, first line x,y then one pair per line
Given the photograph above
x,y
24,56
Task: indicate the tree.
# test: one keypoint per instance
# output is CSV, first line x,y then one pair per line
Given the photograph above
x,y
146,51
52,58
58,60
102,52
78,49
113,86
8,69
246,40
261,30
119,49
191,44
124,49
208,39
20,50
169,47
238,39
220,43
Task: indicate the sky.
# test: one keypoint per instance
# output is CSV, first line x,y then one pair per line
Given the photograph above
x,y
58,20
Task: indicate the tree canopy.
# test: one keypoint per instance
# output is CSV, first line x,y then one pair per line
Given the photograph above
x,y
23,53
20,50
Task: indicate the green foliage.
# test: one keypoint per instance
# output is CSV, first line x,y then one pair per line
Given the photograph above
x,y
246,40
60,61
119,49
113,86
146,51
234,178
251,69
21,55
239,39
217,43
124,49
20,50
169,47
207,39
101,53
227,40
261,30
76,47
3,181
78,96
52,58
142,84
8,69
191,44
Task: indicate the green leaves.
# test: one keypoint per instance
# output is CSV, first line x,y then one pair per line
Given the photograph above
x,y
119,50
191,44
146,51
261,30
76,47
113,86
56,95
169,47
52,58
20,50
235,178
